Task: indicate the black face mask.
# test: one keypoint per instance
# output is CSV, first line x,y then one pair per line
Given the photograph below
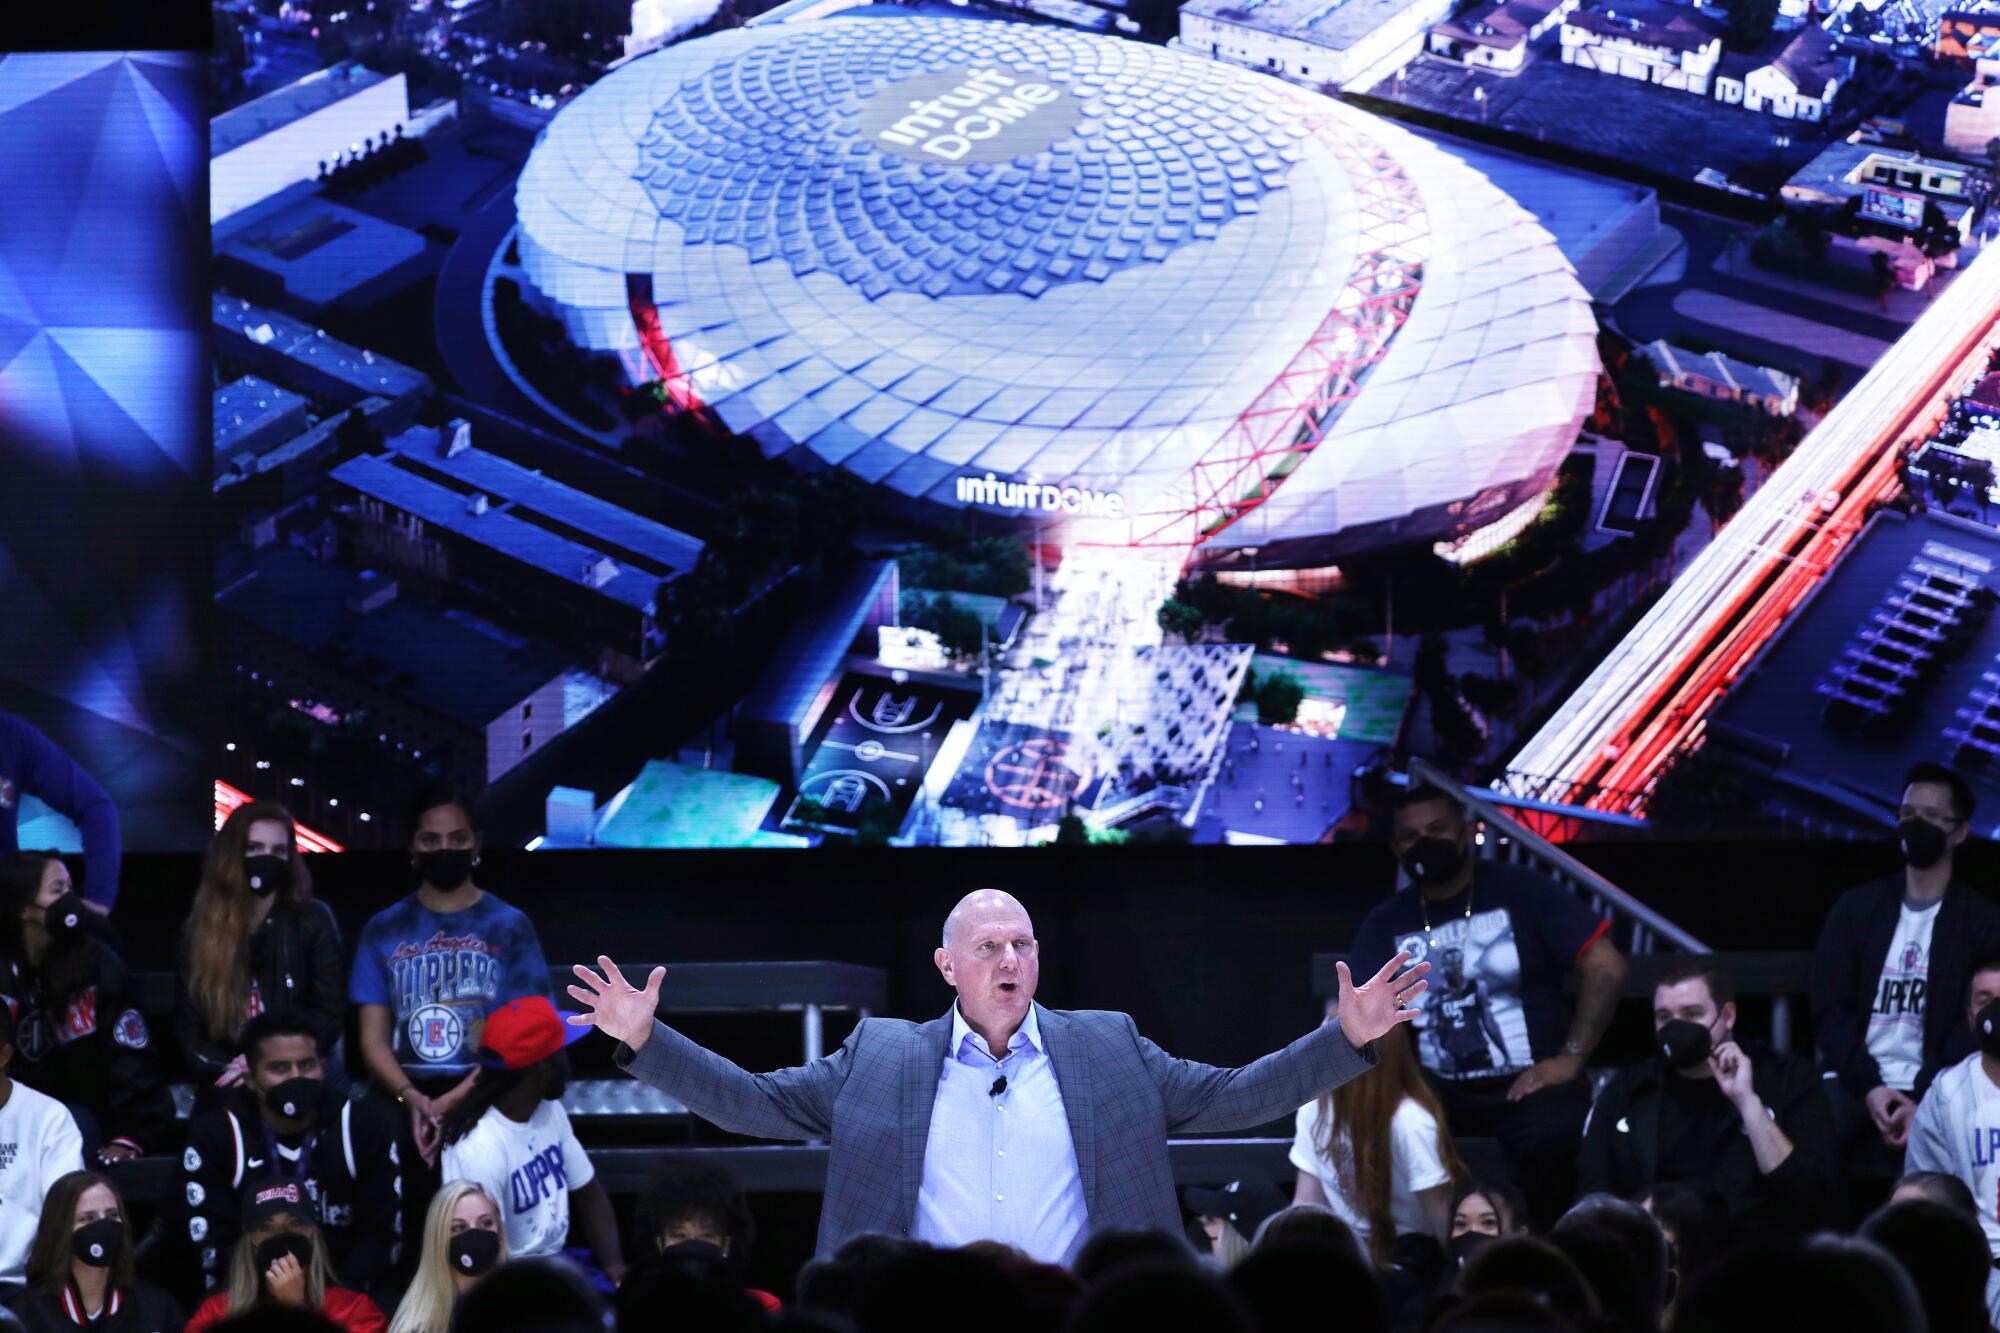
x,y
64,916
1464,1247
295,1098
98,1243
474,1252
1433,860
1922,843
445,870
1683,1044
267,873
1986,1030
277,1247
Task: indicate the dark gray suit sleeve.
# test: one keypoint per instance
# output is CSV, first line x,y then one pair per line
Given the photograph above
x,y
1205,1098
794,1103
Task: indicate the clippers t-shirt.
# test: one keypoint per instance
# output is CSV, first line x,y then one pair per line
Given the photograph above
x,y
440,974
1495,1004
1896,1018
529,1169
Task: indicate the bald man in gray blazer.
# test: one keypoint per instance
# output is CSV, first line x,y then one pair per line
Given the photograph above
x,y
1001,1119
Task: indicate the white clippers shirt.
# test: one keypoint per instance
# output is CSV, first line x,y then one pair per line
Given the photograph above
x,y
1957,1131
39,1142
1414,1165
1896,1017
529,1169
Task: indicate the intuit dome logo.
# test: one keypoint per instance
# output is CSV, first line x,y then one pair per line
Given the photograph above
x,y
968,114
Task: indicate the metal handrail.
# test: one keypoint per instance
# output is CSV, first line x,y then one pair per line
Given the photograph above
x,y
1646,923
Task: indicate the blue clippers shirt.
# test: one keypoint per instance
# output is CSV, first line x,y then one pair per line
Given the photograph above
x,y
440,974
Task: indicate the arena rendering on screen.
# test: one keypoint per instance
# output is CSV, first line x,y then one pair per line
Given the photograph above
x,y
1110,293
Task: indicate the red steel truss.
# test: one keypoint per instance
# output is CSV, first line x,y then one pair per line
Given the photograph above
x,y
1287,421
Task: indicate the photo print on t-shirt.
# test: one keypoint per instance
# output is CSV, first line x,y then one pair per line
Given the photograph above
x,y
1470,1023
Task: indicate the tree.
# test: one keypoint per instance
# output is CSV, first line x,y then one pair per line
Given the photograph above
x,y
1750,23
1071,831
1181,620
1279,695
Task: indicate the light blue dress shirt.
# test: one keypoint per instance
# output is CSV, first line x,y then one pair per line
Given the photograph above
x,y
1001,1167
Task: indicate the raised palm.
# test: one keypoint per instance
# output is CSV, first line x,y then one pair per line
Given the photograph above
x,y
1378,1004
612,1006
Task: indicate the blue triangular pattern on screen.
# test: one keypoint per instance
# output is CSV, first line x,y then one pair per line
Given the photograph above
x,y
171,132
44,147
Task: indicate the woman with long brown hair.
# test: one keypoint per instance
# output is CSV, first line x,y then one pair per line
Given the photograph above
x,y
255,940
1376,1152
80,1269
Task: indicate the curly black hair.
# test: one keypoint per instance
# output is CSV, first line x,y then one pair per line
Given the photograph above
x,y
705,1187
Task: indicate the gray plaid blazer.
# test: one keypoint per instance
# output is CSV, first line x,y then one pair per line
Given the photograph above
x,y
872,1098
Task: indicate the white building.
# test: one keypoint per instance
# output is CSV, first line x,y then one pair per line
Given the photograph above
x,y
1801,81
1496,35
287,136
1353,44
1723,378
1973,119
1670,46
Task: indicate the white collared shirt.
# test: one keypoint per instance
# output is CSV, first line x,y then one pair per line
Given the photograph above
x,y
1001,1166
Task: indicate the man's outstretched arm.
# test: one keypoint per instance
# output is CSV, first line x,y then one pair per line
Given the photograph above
x,y
792,1103
1206,1097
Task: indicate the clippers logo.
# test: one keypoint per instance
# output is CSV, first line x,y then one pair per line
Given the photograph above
x,y
435,1032
986,115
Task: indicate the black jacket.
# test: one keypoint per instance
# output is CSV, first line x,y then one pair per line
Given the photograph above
x,y
1847,967
352,1172
142,1308
96,1051
1621,1142
295,965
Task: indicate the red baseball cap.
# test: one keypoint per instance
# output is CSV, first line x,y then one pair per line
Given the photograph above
x,y
525,1032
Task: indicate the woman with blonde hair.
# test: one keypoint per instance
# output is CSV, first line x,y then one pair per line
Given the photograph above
x,y
463,1242
281,1260
1376,1153
255,940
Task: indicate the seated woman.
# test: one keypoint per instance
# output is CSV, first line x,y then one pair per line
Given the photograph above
x,y
281,1260
80,1267
1376,1153
78,1038
255,940
463,1242
1484,1211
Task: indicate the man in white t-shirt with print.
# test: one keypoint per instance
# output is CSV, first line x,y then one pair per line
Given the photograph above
x,y
1956,1128
39,1143
511,1136
1891,971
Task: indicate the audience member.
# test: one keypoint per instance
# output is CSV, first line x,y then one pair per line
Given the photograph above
x,y
511,1135
429,969
1108,1251
1622,1252
1824,1283
830,1285
1049,1293
80,1269
33,765
1161,1300
531,1296
699,1199
1937,1186
282,1260
1944,1252
1525,1264
1494,1033
285,1120
691,1287
1308,1223
463,1241
1892,971
277,1319
47,1147
1376,1151
1723,1113
255,940
1957,1125
1307,1286
1483,1211
78,1036
1499,1312
908,1294
1693,1224
1230,1216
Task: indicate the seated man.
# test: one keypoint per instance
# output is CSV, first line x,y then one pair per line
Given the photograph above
x,y
39,1144
285,1121
511,1136
1722,1113
1957,1126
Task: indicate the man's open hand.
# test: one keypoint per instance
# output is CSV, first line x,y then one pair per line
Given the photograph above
x,y
1378,1004
612,1006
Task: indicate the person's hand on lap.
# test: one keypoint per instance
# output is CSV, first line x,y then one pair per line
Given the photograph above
x,y
613,1007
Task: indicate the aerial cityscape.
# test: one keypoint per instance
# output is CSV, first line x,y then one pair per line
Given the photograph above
x,y
961,422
